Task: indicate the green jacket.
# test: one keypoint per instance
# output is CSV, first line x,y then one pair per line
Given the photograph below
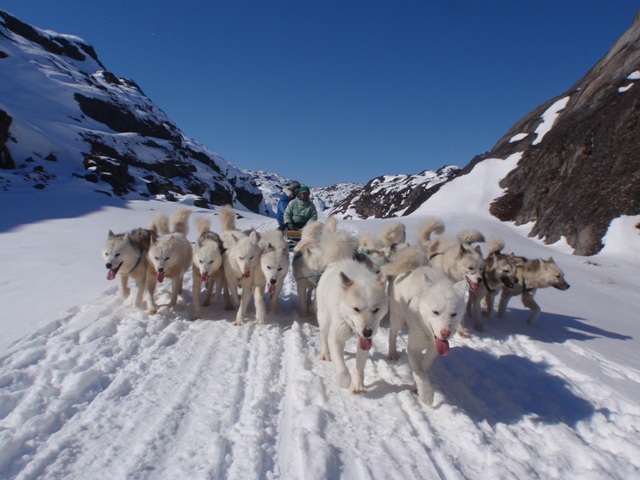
x,y
298,213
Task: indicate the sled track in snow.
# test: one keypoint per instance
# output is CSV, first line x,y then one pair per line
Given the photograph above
x,y
109,391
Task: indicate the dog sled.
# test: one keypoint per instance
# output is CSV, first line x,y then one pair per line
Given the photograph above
x,y
292,237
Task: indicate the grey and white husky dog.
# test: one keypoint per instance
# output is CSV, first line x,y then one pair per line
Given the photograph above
x,y
125,256
532,275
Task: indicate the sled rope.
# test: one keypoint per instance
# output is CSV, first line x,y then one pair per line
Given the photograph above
x,y
377,260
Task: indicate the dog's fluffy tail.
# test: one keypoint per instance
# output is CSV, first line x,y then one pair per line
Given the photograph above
x,y
495,245
431,225
180,221
227,218
338,245
470,236
393,233
310,236
405,260
369,242
159,223
203,224
331,225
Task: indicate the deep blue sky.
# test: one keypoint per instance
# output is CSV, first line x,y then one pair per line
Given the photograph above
x,y
327,91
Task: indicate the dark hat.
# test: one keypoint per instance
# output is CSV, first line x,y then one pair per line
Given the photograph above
x,y
304,189
294,185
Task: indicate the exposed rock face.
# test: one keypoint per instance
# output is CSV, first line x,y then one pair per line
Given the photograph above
x,y
6,161
393,196
114,136
586,170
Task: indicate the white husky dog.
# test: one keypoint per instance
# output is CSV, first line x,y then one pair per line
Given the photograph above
x,y
308,264
532,275
499,272
207,265
240,260
171,253
274,265
454,256
432,305
125,255
351,301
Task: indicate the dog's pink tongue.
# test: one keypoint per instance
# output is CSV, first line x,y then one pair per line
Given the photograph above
x,y
271,289
160,277
111,274
365,343
442,346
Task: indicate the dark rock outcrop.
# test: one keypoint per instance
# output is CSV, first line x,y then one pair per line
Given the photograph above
x,y
586,170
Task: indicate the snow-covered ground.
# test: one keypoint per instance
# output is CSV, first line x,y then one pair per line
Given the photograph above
x,y
91,388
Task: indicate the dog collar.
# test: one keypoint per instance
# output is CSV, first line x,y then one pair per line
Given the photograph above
x,y
486,284
136,264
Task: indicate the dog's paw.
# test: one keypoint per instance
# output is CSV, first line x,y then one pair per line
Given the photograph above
x,y
358,389
325,357
238,323
152,311
463,333
393,356
427,397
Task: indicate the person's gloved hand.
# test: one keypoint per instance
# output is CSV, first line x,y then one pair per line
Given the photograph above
x,y
282,227
290,226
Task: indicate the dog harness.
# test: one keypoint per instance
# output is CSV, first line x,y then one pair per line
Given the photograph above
x,y
136,264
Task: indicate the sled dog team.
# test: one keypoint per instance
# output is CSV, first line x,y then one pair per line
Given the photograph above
x,y
350,282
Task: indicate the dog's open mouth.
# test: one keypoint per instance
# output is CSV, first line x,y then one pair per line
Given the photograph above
x,y
205,276
160,277
271,288
472,285
365,343
111,274
442,346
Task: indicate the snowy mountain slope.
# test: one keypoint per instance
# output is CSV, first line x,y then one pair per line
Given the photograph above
x,y
61,106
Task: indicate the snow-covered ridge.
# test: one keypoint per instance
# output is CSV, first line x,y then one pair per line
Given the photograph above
x,y
63,106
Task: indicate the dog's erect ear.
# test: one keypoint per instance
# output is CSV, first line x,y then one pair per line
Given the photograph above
x,y
462,250
111,235
478,250
170,241
269,248
550,260
254,236
346,281
381,279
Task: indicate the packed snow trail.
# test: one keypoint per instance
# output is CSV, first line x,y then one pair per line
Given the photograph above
x,y
110,392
